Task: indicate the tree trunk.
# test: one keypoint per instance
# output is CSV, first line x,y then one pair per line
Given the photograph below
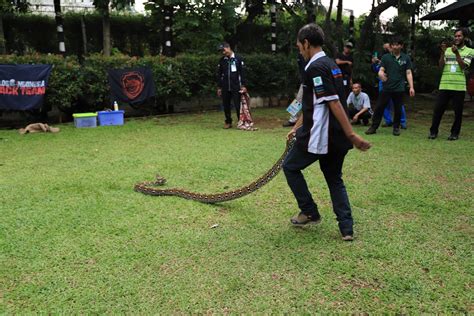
x,y
328,30
254,8
328,14
84,35
339,32
339,13
351,27
288,8
369,21
310,13
3,48
107,47
412,36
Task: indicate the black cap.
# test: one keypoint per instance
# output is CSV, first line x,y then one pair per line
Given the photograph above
x,y
221,46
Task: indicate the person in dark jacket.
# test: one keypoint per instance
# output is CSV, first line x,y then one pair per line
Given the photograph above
x,y
230,81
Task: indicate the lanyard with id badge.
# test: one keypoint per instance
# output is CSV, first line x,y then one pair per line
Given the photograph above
x,y
453,68
294,107
233,66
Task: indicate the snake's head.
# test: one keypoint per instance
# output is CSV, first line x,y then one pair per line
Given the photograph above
x,y
292,140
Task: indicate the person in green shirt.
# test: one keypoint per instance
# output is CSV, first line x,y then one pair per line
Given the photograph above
x,y
454,61
395,68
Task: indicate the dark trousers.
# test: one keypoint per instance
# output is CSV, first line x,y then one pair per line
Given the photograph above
x,y
364,117
382,102
444,96
331,166
227,97
347,86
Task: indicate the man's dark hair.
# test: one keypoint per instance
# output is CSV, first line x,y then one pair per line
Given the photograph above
x,y
357,82
463,30
312,33
396,40
465,33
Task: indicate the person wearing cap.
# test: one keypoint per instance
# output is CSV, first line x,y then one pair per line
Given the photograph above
x,y
230,81
345,60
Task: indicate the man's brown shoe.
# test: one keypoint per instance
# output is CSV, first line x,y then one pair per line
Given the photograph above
x,y
348,238
302,219
227,126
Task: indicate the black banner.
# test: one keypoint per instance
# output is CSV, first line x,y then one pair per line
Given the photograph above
x,y
22,87
131,85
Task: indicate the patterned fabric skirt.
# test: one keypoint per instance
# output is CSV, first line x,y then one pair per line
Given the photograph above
x,y
245,119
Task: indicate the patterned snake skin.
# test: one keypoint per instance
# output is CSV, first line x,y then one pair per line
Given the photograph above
x,y
149,187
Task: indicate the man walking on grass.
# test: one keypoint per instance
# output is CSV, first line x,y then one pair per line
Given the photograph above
x,y
323,133
395,67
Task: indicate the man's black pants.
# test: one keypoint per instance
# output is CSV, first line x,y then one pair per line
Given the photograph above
x,y
364,117
444,96
382,102
227,97
331,166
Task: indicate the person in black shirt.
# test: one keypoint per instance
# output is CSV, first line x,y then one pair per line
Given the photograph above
x,y
230,81
345,60
322,133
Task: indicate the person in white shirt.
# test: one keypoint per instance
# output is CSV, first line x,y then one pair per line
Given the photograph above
x,y
359,105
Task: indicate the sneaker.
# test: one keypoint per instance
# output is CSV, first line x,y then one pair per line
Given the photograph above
x,y
370,131
432,136
348,238
453,137
396,131
302,219
227,126
288,124
404,127
387,124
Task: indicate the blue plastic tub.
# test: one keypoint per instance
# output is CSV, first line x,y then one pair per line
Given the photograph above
x,y
85,120
107,118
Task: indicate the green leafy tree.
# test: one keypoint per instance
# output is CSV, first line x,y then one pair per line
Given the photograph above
x,y
9,7
193,26
420,6
164,11
104,6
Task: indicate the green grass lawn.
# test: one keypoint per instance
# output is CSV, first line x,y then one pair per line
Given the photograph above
x,y
76,238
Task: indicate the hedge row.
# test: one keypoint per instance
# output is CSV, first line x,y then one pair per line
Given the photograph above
x,y
130,34
74,86
138,35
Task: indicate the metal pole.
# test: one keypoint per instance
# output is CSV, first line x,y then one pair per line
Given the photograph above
x,y
59,26
168,33
84,34
273,25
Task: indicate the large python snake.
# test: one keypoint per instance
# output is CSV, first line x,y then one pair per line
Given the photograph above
x,y
150,187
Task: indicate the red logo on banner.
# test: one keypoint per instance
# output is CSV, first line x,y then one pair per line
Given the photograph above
x,y
132,84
